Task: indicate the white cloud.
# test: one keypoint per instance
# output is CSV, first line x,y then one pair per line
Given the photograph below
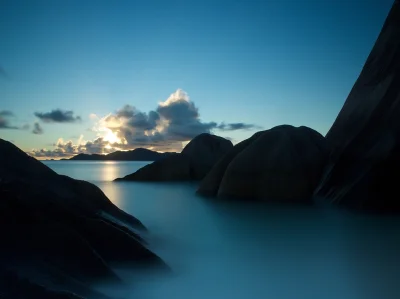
x,y
171,125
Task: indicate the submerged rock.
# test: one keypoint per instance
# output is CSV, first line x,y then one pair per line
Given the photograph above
x,y
51,223
364,166
195,161
281,164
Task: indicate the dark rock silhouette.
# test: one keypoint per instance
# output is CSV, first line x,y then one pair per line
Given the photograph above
x,y
14,287
139,154
210,184
365,161
174,168
281,164
204,151
195,161
52,225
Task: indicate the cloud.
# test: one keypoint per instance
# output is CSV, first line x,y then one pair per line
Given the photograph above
x,y
37,129
5,116
237,126
93,116
58,116
6,113
182,118
175,120
97,146
44,153
66,149
173,123
133,118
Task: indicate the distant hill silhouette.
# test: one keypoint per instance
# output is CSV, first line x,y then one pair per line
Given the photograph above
x,y
138,154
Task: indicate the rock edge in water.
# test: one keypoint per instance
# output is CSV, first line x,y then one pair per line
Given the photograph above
x,y
195,161
68,230
282,164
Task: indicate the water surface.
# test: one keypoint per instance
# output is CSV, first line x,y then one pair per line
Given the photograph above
x,y
95,171
247,250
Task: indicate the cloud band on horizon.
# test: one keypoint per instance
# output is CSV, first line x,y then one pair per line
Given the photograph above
x,y
173,122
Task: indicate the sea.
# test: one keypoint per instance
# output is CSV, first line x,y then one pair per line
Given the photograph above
x,y
245,250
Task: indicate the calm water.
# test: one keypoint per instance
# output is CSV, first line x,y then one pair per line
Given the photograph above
x,y
241,250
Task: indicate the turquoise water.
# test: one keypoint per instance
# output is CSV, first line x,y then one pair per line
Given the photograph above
x,y
247,250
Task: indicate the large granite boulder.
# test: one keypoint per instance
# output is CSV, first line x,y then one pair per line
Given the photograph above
x,y
210,184
195,161
282,164
363,171
59,232
204,151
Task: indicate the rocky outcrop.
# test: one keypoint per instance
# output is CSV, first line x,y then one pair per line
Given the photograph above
x,y
281,164
195,161
365,161
54,224
174,168
204,151
210,184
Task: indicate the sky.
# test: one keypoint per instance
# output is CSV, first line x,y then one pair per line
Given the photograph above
x,y
94,76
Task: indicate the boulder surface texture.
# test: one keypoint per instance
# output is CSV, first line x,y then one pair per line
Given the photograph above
x,y
282,164
59,232
363,171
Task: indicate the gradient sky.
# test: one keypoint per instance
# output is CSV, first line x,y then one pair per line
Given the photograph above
x,y
260,63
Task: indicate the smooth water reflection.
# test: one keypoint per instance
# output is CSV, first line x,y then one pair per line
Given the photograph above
x,y
95,171
246,250
240,250
110,171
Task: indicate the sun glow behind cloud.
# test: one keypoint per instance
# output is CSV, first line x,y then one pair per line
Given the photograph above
x,y
169,127
111,137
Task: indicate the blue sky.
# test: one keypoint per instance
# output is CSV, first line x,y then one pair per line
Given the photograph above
x,y
260,63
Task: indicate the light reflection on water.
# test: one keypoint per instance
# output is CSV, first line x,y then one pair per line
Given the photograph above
x,y
246,250
110,171
95,171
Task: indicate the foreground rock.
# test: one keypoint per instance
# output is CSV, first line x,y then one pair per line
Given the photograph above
x,y
13,287
281,164
195,161
204,151
59,232
365,162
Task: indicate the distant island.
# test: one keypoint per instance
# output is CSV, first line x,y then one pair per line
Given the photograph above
x,y
138,154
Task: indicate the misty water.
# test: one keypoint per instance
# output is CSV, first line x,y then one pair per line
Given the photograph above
x,y
245,250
